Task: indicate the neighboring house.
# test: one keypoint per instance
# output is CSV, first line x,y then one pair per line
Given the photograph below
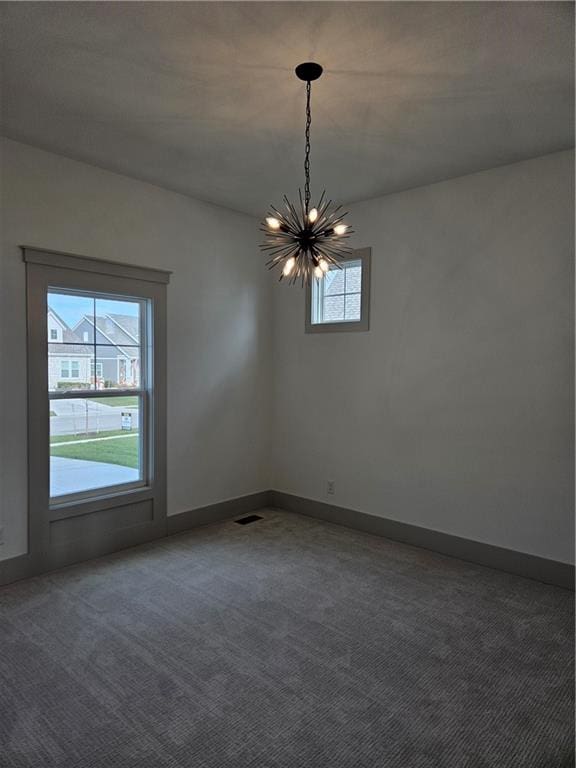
x,y
104,349
70,362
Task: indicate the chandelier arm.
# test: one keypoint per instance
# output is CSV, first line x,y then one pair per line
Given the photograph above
x,y
302,208
322,209
292,217
281,252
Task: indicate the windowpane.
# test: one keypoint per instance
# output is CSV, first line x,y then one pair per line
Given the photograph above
x,y
333,309
352,307
353,277
70,318
69,367
119,365
333,281
117,321
94,443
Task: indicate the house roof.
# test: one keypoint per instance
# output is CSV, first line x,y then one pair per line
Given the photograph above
x,y
121,331
52,311
58,349
119,328
69,338
129,324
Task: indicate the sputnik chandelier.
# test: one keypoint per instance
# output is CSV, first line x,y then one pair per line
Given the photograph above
x,y
305,241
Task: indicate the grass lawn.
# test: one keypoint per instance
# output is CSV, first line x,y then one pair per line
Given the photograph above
x,y
90,435
123,451
116,402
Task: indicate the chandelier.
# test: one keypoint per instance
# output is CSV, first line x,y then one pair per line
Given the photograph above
x,y
305,241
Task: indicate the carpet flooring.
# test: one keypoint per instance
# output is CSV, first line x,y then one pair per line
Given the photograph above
x,y
287,643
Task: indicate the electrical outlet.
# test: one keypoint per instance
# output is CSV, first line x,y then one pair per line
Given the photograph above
x,y
330,487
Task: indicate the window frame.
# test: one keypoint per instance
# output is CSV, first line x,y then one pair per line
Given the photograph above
x,y
76,529
363,324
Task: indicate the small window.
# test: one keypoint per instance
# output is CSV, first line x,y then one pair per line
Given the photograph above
x,y
65,369
95,370
340,300
75,369
53,334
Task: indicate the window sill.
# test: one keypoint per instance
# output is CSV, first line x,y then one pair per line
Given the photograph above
x,y
109,499
344,327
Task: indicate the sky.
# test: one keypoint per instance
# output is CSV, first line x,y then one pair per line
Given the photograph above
x,y
72,308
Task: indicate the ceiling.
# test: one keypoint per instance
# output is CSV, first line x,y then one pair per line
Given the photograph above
x,y
201,97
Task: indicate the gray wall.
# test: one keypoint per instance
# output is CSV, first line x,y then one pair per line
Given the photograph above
x,y
454,411
218,320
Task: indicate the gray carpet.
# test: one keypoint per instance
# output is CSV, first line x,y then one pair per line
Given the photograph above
x,y
287,643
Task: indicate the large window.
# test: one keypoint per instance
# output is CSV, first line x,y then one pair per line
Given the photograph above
x,y
340,300
97,390
96,338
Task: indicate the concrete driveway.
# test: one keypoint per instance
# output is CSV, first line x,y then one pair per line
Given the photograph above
x,y
75,475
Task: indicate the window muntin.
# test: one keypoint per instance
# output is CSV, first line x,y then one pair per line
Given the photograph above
x,y
97,392
337,298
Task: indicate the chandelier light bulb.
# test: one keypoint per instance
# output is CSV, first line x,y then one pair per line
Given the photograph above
x,y
289,266
323,264
273,222
340,229
313,215
318,273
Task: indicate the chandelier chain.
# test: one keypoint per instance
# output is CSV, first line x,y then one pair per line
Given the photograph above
x,y
307,151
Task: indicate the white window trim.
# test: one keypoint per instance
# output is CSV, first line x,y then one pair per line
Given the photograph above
x,y
365,256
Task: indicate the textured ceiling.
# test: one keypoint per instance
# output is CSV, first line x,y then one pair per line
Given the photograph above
x,y
201,97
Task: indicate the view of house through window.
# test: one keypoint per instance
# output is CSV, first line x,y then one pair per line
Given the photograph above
x,y
337,297
96,390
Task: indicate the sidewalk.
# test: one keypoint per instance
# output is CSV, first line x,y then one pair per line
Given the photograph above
x,y
75,475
